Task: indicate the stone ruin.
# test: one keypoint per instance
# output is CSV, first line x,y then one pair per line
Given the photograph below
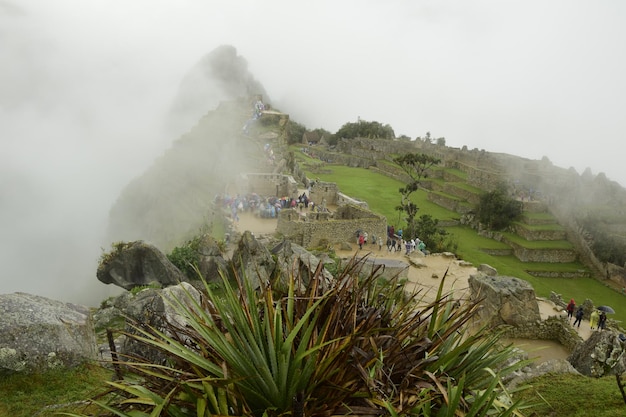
x,y
316,229
511,302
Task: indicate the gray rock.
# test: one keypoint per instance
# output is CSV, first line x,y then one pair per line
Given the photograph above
x,y
37,334
290,256
601,354
156,308
211,260
137,264
552,366
253,261
505,300
487,270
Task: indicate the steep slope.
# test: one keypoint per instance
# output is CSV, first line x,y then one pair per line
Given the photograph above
x,y
173,197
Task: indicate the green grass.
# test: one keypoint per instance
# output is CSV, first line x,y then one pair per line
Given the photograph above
x,y
538,244
26,395
575,396
380,192
382,196
541,227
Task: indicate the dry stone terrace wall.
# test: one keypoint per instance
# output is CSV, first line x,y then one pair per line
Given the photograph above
x,y
542,255
311,229
540,234
553,328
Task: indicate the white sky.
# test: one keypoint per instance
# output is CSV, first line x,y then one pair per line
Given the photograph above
x,y
84,85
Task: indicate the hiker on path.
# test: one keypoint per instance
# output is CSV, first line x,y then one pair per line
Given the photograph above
x,y
593,319
570,308
602,321
579,316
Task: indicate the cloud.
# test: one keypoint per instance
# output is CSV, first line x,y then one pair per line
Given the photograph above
x,y
85,87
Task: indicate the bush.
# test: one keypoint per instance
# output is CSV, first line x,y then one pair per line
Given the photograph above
x,y
496,210
359,346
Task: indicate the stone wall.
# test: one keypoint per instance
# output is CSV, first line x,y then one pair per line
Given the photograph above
x,y
553,328
324,191
343,199
311,230
532,235
542,255
450,202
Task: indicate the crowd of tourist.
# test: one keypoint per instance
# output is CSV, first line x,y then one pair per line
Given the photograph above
x,y
264,207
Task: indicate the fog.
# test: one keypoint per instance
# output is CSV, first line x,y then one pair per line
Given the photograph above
x,y
86,87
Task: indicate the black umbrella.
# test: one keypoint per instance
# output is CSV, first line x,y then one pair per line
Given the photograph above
x,y
607,309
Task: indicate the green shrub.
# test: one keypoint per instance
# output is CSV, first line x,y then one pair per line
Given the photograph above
x,y
497,210
359,346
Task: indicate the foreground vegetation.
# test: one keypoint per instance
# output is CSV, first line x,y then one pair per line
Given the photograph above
x,y
302,347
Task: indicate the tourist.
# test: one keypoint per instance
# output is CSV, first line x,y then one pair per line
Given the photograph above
x,y
380,243
579,316
389,244
593,319
361,241
570,308
422,247
602,321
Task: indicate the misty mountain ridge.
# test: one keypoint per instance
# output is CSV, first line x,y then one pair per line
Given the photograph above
x,y
172,199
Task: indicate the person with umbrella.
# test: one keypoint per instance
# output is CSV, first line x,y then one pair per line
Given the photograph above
x,y
602,321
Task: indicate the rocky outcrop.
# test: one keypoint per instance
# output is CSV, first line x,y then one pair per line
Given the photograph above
x,y
38,334
552,367
211,261
505,300
136,264
157,308
601,354
253,261
299,262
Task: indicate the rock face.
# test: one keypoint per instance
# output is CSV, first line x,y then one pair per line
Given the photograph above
x,y
136,264
37,334
601,354
154,308
506,300
211,261
253,260
296,259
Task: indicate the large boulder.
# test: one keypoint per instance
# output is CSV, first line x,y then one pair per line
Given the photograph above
x,y
37,334
137,264
601,354
157,308
505,300
293,258
211,260
253,261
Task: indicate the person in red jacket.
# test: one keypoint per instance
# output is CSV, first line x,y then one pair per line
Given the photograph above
x,y
570,308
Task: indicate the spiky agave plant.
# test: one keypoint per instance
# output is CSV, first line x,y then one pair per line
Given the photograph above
x,y
362,346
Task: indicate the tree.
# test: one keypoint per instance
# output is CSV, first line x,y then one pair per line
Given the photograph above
x,y
294,132
364,129
436,238
416,166
496,210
